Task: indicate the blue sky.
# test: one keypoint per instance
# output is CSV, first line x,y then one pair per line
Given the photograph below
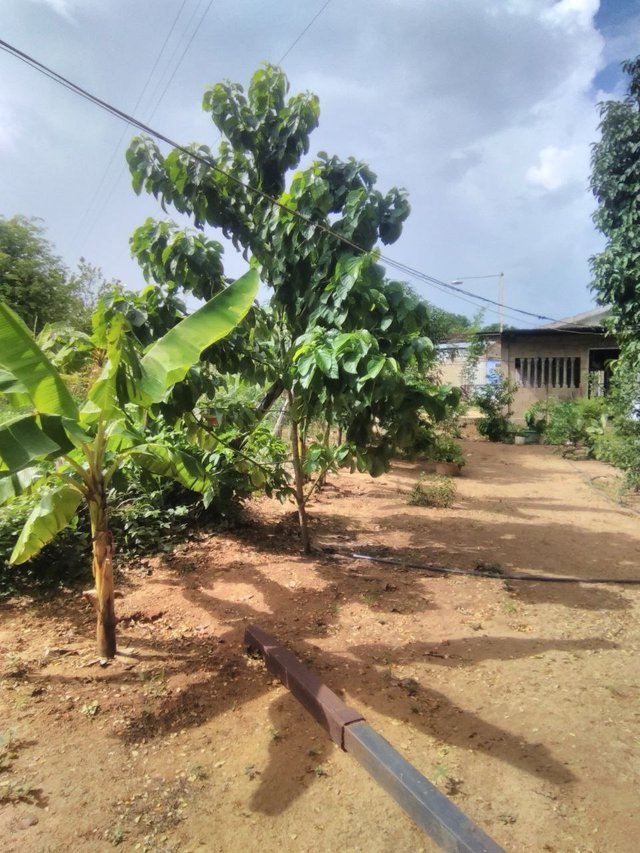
x,y
485,112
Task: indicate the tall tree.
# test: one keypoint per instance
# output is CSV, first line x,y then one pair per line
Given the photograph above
x,y
615,181
34,282
342,334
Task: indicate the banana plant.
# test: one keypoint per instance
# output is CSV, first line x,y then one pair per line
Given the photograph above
x,y
84,446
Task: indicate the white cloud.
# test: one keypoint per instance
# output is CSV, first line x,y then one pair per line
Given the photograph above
x,y
573,13
484,110
558,167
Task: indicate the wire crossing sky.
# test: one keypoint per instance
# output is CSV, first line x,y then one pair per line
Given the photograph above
x,y
156,134
484,112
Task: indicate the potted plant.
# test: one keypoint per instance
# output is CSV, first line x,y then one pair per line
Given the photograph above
x,y
447,456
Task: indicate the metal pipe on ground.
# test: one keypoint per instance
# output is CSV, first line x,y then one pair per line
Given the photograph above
x,y
440,818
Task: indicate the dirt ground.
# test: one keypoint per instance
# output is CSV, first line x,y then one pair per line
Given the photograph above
x,y
519,700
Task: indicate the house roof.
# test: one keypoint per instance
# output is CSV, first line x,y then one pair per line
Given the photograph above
x,y
588,321
591,319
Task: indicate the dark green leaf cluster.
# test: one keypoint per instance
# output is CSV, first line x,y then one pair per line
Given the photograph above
x,y
34,281
494,402
348,344
615,181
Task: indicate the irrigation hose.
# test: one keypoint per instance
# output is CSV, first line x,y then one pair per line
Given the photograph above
x,y
496,576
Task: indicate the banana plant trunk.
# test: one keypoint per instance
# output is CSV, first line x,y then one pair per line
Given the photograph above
x,y
103,576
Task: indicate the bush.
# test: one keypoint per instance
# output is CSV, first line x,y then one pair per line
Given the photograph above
x,y
575,421
494,402
63,562
433,490
445,449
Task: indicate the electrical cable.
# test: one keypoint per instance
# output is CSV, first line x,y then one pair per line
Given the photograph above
x,y
180,61
508,576
105,201
210,163
304,31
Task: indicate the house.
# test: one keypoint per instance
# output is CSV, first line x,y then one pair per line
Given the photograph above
x,y
454,367
566,360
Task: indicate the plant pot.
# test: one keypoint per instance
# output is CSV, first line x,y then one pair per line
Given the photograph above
x,y
448,469
519,439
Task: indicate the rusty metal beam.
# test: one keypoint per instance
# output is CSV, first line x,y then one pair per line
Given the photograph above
x,y
323,704
449,827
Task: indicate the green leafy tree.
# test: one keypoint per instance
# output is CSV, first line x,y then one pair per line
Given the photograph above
x,y
341,335
34,282
89,444
615,181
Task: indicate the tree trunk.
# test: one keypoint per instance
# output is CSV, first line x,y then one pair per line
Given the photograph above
x,y
299,480
103,575
277,430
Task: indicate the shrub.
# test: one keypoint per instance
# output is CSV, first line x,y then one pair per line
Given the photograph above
x,y
494,402
433,490
575,421
445,449
63,562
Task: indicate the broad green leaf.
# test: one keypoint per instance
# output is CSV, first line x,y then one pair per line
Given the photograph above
x,y
374,366
18,483
326,361
122,436
102,398
14,391
174,464
27,438
56,510
23,358
169,359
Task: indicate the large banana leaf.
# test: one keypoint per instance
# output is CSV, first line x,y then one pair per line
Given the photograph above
x,y
29,437
55,511
169,359
23,358
174,464
109,393
18,483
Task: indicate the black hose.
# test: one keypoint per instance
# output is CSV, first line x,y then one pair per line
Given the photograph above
x,y
496,576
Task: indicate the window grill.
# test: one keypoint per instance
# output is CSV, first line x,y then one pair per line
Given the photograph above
x,y
548,371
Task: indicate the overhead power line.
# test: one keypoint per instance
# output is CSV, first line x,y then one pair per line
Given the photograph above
x,y
304,31
207,161
103,178
181,59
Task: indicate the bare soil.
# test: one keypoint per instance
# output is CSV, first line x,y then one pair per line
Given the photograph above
x,y
519,700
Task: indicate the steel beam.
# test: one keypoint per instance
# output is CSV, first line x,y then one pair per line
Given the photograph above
x,y
449,827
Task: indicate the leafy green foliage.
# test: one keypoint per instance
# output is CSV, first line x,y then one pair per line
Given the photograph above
x,y
31,373
615,181
62,562
33,280
341,340
575,422
494,402
446,449
619,444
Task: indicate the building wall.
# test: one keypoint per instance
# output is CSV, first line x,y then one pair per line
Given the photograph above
x,y
548,354
452,360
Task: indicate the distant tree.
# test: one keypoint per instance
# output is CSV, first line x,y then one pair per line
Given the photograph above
x,y
615,181
33,279
490,328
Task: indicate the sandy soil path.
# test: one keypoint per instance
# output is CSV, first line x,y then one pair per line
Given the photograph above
x,y
519,700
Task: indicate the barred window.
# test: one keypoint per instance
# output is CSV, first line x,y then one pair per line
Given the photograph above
x,y
548,372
